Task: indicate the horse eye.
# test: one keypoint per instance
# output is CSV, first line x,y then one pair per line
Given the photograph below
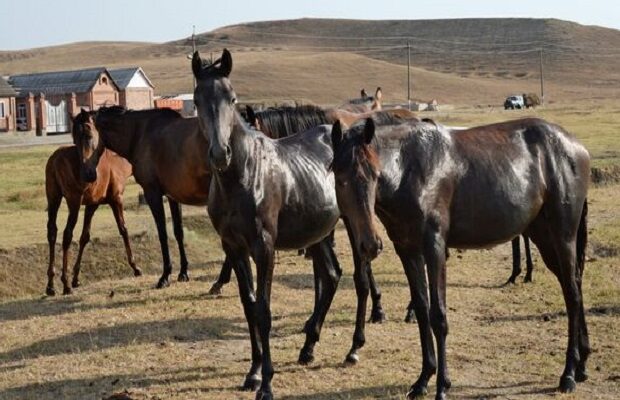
x,y
233,101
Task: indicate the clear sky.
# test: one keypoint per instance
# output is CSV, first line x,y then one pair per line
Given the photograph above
x,y
36,23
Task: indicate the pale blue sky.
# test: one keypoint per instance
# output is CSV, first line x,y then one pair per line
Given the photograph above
x,y
35,23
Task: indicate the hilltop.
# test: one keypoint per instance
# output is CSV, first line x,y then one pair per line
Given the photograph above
x,y
463,61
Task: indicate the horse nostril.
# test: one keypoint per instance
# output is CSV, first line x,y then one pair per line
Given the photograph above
x,y
228,151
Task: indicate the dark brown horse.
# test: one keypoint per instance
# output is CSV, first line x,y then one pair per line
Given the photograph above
x,y
166,152
265,195
64,178
435,188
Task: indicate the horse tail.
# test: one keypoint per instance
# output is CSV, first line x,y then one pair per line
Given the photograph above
x,y
582,240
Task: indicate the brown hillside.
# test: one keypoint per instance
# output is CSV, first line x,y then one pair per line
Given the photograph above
x,y
464,61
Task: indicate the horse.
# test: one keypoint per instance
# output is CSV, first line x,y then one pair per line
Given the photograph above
x,y
516,260
364,103
103,184
265,195
166,152
434,188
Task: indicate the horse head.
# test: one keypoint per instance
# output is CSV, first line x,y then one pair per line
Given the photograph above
x,y
356,169
89,144
215,101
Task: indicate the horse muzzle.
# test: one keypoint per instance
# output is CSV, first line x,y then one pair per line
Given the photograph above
x,y
371,247
220,157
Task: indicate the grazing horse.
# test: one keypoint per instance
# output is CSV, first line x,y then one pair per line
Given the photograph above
x,y
265,195
83,174
166,152
434,188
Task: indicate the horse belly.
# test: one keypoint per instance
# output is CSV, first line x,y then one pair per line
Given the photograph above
x,y
489,221
297,230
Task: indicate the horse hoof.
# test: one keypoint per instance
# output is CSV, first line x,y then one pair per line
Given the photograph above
x,y
416,392
137,272
377,316
163,283
305,357
567,384
410,317
441,396
581,375
527,279
75,284
352,359
216,289
263,395
251,383
50,291
183,277
66,291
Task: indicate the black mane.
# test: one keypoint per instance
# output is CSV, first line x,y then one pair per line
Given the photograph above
x,y
287,120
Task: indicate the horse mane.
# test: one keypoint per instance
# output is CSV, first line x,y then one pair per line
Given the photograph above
x,y
106,115
287,120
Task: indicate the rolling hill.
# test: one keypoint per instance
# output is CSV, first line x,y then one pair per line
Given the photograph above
x,y
463,61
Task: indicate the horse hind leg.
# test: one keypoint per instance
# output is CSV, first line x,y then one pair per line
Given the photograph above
x,y
54,199
84,239
516,261
119,217
156,205
327,268
528,260
177,222
559,256
377,315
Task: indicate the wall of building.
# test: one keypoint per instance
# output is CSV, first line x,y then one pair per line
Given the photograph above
x,y
104,93
7,114
137,98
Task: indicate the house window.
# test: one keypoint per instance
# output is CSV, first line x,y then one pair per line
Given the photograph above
x,y
104,80
2,110
21,111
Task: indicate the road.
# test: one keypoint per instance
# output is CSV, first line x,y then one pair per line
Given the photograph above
x,y
9,141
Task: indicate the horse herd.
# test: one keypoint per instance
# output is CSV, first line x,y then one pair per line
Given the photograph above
x,y
282,178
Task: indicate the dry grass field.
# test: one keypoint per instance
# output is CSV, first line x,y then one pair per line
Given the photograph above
x,y
180,343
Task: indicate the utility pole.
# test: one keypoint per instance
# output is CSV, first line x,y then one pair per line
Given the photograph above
x,y
408,76
194,48
542,79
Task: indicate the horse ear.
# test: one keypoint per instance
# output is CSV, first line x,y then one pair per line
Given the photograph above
x,y
336,135
196,64
369,130
378,93
363,94
226,63
251,115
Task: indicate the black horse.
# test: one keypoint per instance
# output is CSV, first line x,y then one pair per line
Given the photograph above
x,y
265,195
435,188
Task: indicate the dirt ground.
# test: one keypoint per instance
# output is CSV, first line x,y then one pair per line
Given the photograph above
x,y
119,334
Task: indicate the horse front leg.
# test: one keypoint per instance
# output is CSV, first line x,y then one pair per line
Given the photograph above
x,y
67,237
240,262
360,277
53,203
435,256
263,251
156,205
413,264
84,239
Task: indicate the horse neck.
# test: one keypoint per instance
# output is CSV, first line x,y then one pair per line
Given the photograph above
x,y
242,143
122,138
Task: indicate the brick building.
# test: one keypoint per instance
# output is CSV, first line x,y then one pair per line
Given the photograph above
x,y
136,90
7,106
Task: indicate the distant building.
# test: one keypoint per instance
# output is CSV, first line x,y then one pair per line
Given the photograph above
x,y
136,90
45,101
7,106
183,103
